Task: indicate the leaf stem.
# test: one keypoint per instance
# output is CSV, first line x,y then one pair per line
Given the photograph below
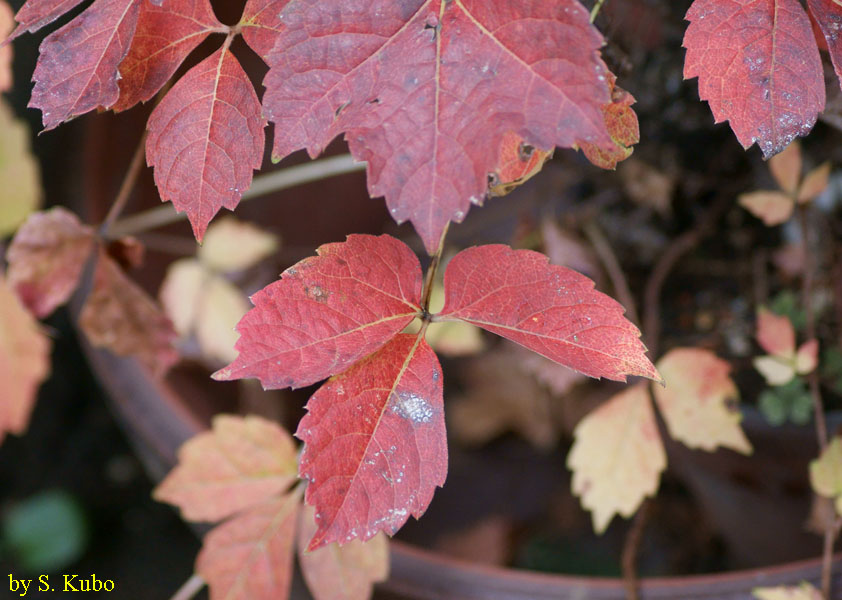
x,y
612,266
262,185
190,588
427,290
815,388
126,187
595,10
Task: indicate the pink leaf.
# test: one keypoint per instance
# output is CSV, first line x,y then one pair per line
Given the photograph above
x,y
828,15
426,90
34,14
375,446
549,309
205,139
775,333
46,259
327,312
165,35
758,67
261,23
249,557
77,68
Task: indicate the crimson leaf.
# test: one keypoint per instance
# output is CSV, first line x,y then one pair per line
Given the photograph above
x,y
425,90
758,67
205,139
375,445
549,309
327,312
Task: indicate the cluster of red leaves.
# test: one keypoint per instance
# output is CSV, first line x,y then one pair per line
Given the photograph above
x,y
759,66
425,91
375,444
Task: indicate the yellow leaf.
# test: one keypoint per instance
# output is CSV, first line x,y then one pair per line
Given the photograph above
x,y
221,306
24,362
814,183
20,177
771,207
618,456
238,464
346,572
826,471
786,168
775,370
805,591
180,292
696,402
232,245
807,357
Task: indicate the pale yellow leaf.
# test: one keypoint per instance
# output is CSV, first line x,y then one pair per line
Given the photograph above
x,y
20,176
221,306
814,183
807,357
24,362
249,557
232,245
786,167
180,293
346,572
698,402
238,464
771,207
776,371
805,591
618,456
451,338
826,470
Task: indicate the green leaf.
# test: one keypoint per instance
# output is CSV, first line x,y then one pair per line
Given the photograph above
x,y
789,402
45,532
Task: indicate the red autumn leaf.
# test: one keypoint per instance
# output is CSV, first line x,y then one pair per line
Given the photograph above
x,y
205,139
120,316
517,162
77,69
261,23
34,14
758,67
46,259
375,445
7,21
549,309
164,36
828,16
327,312
621,122
426,89
249,557
24,362
240,463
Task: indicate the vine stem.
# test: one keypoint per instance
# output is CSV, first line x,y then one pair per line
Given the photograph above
x,y
190,588
126,187
815,388
431,274
262,185
612,266
595,10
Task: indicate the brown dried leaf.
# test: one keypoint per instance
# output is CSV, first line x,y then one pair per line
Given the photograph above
x,y
618,456
771,207
24,362
46,259
240,463
786,168
120,316
814,183
346,572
